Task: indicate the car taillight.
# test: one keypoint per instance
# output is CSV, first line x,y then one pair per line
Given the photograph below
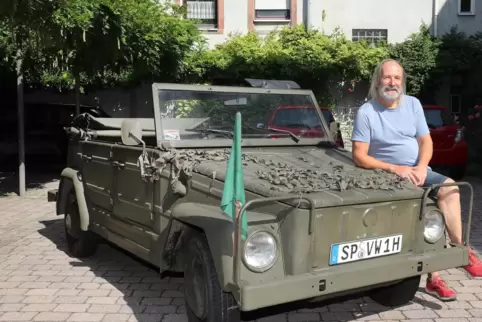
x,y
459,136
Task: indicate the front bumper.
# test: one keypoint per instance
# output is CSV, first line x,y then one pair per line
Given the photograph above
x,y
348,277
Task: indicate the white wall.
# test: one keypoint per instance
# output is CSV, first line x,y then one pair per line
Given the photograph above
x,y
401,18
235,21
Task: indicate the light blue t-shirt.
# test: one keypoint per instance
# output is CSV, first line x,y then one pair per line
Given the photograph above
x,y
391,133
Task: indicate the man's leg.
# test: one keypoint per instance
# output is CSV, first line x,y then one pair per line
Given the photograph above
x,y
435,285
448,199
449,204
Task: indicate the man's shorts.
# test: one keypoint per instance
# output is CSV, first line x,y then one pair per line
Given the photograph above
x,y
433,178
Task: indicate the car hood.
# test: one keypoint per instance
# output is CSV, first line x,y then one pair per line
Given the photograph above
x,y
326,175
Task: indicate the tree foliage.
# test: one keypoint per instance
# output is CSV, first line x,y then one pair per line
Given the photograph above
x,y
323,63
419,57
105,42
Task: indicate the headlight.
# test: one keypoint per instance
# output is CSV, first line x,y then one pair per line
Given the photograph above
x,y
260,251
459,136
434,226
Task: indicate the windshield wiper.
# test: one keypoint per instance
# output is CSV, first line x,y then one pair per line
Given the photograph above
x,y
291,134
208,130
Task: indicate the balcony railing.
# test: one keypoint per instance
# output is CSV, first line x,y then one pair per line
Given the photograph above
x,y
205,12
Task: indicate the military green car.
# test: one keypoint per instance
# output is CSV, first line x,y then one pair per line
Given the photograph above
x,y
317,226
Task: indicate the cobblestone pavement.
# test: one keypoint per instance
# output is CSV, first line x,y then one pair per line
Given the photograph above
x,y
39,282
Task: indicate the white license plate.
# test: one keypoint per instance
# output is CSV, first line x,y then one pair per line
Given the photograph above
x,y
365,249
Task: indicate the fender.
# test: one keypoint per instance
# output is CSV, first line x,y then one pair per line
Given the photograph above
x,y
218,229
70,180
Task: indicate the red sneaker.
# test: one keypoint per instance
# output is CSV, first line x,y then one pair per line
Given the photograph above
x,y
474,269
438,288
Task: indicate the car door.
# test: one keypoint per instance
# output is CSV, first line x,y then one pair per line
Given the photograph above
x,y
97,174
133,200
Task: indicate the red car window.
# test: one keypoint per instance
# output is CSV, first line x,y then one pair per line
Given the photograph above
x,y
296,117
438,118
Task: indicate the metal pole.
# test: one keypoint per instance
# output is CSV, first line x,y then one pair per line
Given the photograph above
x,y
77,93
21,119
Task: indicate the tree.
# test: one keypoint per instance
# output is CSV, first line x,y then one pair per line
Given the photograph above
x,y
26,22
69,43
419,57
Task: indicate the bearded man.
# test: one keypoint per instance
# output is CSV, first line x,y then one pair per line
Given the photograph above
x,y
390,133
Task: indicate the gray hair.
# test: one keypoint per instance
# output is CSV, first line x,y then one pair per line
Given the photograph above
x,y
376,78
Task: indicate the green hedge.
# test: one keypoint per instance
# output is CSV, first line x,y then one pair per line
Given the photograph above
x,y
320,62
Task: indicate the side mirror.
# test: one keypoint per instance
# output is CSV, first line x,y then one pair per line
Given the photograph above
x,y
131,132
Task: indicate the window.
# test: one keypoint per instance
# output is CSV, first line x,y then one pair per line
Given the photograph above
x,y
328,116
272,9
438,117
301,117
371,36
205,12
466,7
455,103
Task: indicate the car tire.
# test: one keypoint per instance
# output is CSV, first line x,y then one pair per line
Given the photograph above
x,y
205,301
398,294
79,243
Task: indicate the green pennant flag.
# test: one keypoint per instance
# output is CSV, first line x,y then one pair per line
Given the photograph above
x,y
234,181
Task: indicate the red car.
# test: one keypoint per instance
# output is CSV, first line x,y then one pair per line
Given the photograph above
x,y
450,149
302,121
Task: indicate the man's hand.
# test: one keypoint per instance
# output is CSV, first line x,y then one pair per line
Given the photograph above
x,y
420,174
402,170
414,174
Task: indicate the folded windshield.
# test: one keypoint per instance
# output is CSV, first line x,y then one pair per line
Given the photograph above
x,y
205,115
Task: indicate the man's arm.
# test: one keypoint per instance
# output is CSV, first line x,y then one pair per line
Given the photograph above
x,y
425,148
425,144
363,160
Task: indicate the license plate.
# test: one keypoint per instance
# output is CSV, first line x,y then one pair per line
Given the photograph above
x,y
365,249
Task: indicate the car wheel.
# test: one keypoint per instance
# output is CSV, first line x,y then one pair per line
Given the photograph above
x,y
204,298
398,294
79,243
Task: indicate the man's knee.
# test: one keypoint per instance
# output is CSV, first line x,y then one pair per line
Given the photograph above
x,y
451,192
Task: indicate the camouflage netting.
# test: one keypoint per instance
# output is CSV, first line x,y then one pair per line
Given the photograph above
x,y
305,177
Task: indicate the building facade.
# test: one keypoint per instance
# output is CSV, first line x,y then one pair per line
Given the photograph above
x,y
373,20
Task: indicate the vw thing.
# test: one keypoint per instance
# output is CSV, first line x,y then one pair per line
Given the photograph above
x,y
318,227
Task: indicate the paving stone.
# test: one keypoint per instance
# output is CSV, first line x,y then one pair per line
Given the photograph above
x,y
304,317
116,317
51,316
18,316
86,317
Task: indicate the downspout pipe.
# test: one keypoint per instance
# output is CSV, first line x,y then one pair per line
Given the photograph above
x,y
306,13
434,18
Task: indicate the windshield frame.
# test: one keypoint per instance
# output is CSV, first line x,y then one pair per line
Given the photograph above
x,y
227,142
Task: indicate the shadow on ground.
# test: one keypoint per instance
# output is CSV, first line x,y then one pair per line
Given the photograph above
x,y
39,172
149,295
